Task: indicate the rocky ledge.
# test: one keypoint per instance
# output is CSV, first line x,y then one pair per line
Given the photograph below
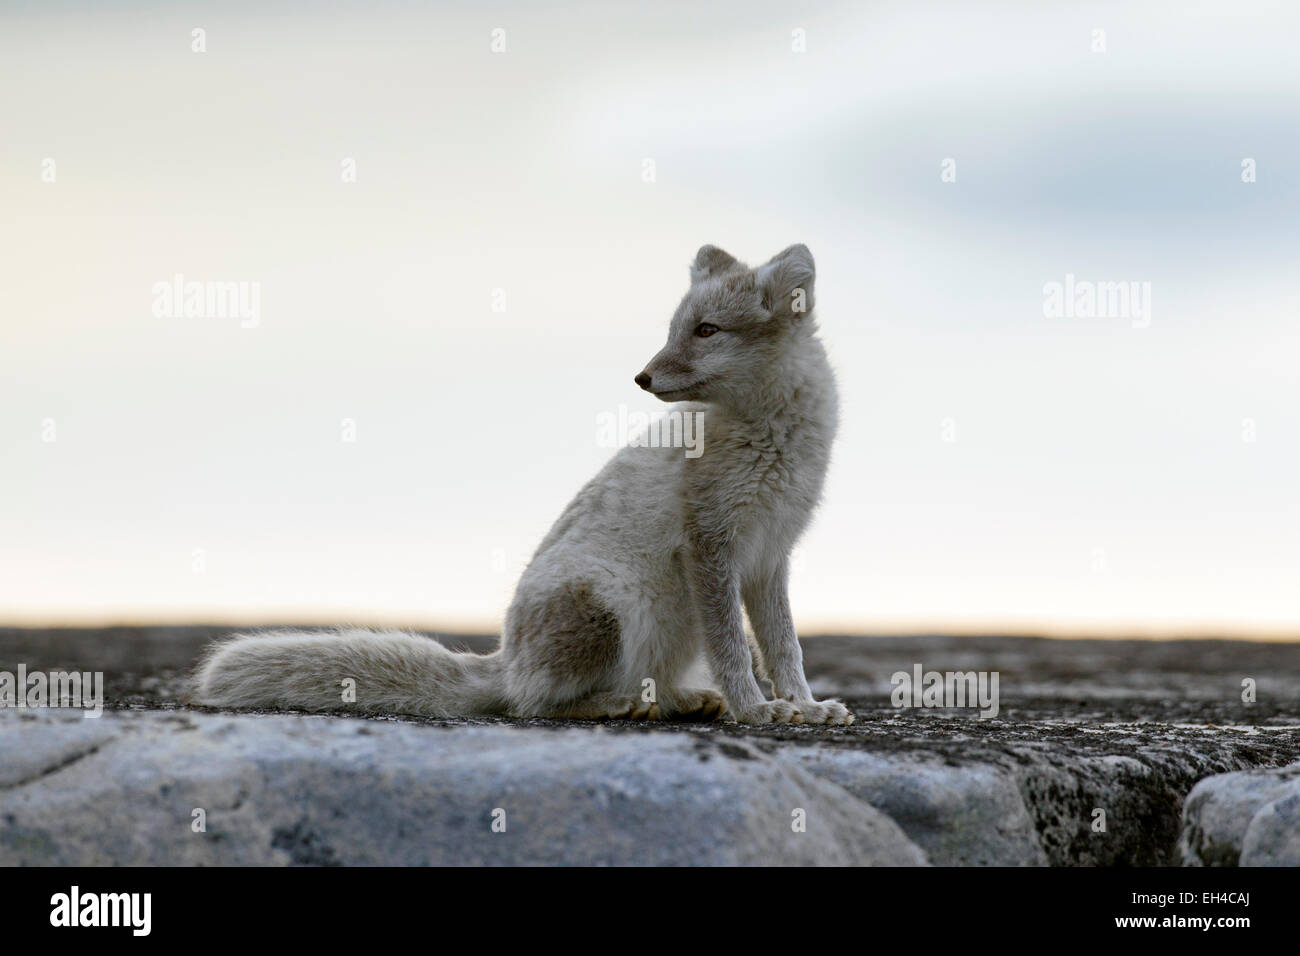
x,y
1102,753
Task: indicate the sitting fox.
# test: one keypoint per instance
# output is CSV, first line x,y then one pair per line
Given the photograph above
x,y
650,563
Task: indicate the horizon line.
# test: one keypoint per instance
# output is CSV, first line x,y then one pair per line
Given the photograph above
x,y
1056,629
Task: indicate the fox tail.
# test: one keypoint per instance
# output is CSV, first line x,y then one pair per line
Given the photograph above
x,y
390,672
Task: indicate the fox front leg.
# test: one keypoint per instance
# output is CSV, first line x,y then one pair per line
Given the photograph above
x,y
767,599
716,588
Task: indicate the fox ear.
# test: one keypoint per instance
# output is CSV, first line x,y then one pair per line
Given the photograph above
x,y
711,261
787,282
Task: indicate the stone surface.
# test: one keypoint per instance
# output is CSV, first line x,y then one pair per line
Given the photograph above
x,y
282,789
1243,819
1096,745
959,814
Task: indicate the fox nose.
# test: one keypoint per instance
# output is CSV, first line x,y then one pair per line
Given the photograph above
x,y
643,380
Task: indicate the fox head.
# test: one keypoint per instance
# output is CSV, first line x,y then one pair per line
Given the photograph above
x,y
733,326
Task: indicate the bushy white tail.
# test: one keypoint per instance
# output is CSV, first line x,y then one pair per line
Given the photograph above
x,y
394,672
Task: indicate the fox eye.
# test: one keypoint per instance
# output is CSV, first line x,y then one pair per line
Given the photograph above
x,y
705,329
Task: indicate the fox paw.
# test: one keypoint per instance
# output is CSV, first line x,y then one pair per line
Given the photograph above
x,y
824,712
695,705
634,708
795,712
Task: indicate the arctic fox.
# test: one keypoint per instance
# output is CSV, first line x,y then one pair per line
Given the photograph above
x,y
650,563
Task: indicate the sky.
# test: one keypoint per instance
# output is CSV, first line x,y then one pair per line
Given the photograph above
x,y
467,226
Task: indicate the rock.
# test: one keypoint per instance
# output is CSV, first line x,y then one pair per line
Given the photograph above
x,y
1273,837
1249,818
1022,804
123,790
1110,809
970,815
35,743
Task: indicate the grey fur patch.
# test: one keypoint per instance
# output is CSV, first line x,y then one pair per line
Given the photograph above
x,y
574,636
